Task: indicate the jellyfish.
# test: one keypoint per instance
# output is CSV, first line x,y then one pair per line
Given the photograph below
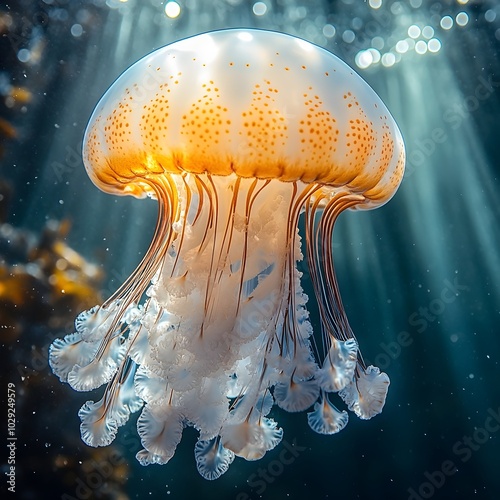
x,y
237,134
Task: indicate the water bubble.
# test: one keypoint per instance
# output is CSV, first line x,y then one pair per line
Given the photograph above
x,y
434,45
388,59
363,59
414,31
462,18
24,55
428,32
490,15
259,8
421,47
76,30
348,36
172,9
375,4
329,30
446,22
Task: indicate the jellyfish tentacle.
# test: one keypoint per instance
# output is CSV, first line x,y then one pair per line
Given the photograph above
x,y
343,369
100,420
333,309
320,257
313,245
366,393
293,256
291,282
101,368
103,364
160,427
212,459
184,222
333,292
326,227
249,202
65,353
214,207
134,286
225,244
203,188
252,438
199,207
326,418
295,396
339,365
299,200
97,428
299,385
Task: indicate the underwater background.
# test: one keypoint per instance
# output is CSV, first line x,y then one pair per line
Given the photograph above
x,y
419,277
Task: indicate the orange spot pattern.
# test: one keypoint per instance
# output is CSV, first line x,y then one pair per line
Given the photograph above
x,y
117,125
263,132
254,145
318,133
205,127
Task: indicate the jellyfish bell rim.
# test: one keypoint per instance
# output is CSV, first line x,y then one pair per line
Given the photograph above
x,y
141,186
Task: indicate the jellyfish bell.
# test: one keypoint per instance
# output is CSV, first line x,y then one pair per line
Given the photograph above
x,y
235,133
